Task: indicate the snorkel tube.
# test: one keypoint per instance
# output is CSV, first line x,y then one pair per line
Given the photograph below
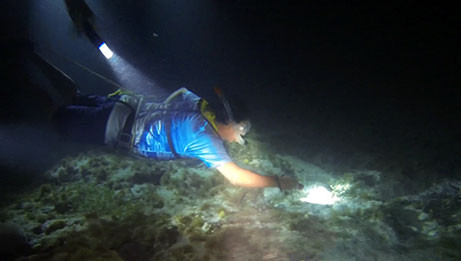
x,y
224,101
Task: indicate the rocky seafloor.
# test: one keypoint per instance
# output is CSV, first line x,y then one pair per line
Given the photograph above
x,y
99,205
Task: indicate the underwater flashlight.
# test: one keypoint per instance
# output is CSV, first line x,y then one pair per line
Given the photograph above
x,y
105,50
319,195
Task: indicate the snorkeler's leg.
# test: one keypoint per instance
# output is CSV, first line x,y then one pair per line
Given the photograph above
x,y
83,123
93,100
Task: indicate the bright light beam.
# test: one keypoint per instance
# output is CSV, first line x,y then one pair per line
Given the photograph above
x,y
134,80
319,195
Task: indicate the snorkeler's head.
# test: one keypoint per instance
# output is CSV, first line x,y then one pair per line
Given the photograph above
x,y
234,132
241,129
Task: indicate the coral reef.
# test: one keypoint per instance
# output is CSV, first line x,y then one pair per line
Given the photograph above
x,y
103,206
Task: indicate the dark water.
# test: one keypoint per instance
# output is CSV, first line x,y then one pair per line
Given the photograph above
x,y
342,80
354,75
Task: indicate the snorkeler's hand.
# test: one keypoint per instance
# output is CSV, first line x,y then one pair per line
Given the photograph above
x,y
289,183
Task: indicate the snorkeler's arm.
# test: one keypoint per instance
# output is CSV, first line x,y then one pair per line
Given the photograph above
x,y
245,178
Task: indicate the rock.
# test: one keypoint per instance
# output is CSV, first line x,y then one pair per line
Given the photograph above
x,y
52,225
37,229
62,207
167,237
45,190
423,216
153,177
47,209
27,206
133,251
13,242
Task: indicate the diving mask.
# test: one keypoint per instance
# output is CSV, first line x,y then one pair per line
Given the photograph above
x,y
241,129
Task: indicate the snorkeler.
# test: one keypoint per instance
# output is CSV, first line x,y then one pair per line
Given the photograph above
x,y
182,126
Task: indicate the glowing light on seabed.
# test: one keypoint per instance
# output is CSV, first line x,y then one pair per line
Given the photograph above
x,y
319,195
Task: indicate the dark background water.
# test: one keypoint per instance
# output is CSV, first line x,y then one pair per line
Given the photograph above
x,y
338,80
